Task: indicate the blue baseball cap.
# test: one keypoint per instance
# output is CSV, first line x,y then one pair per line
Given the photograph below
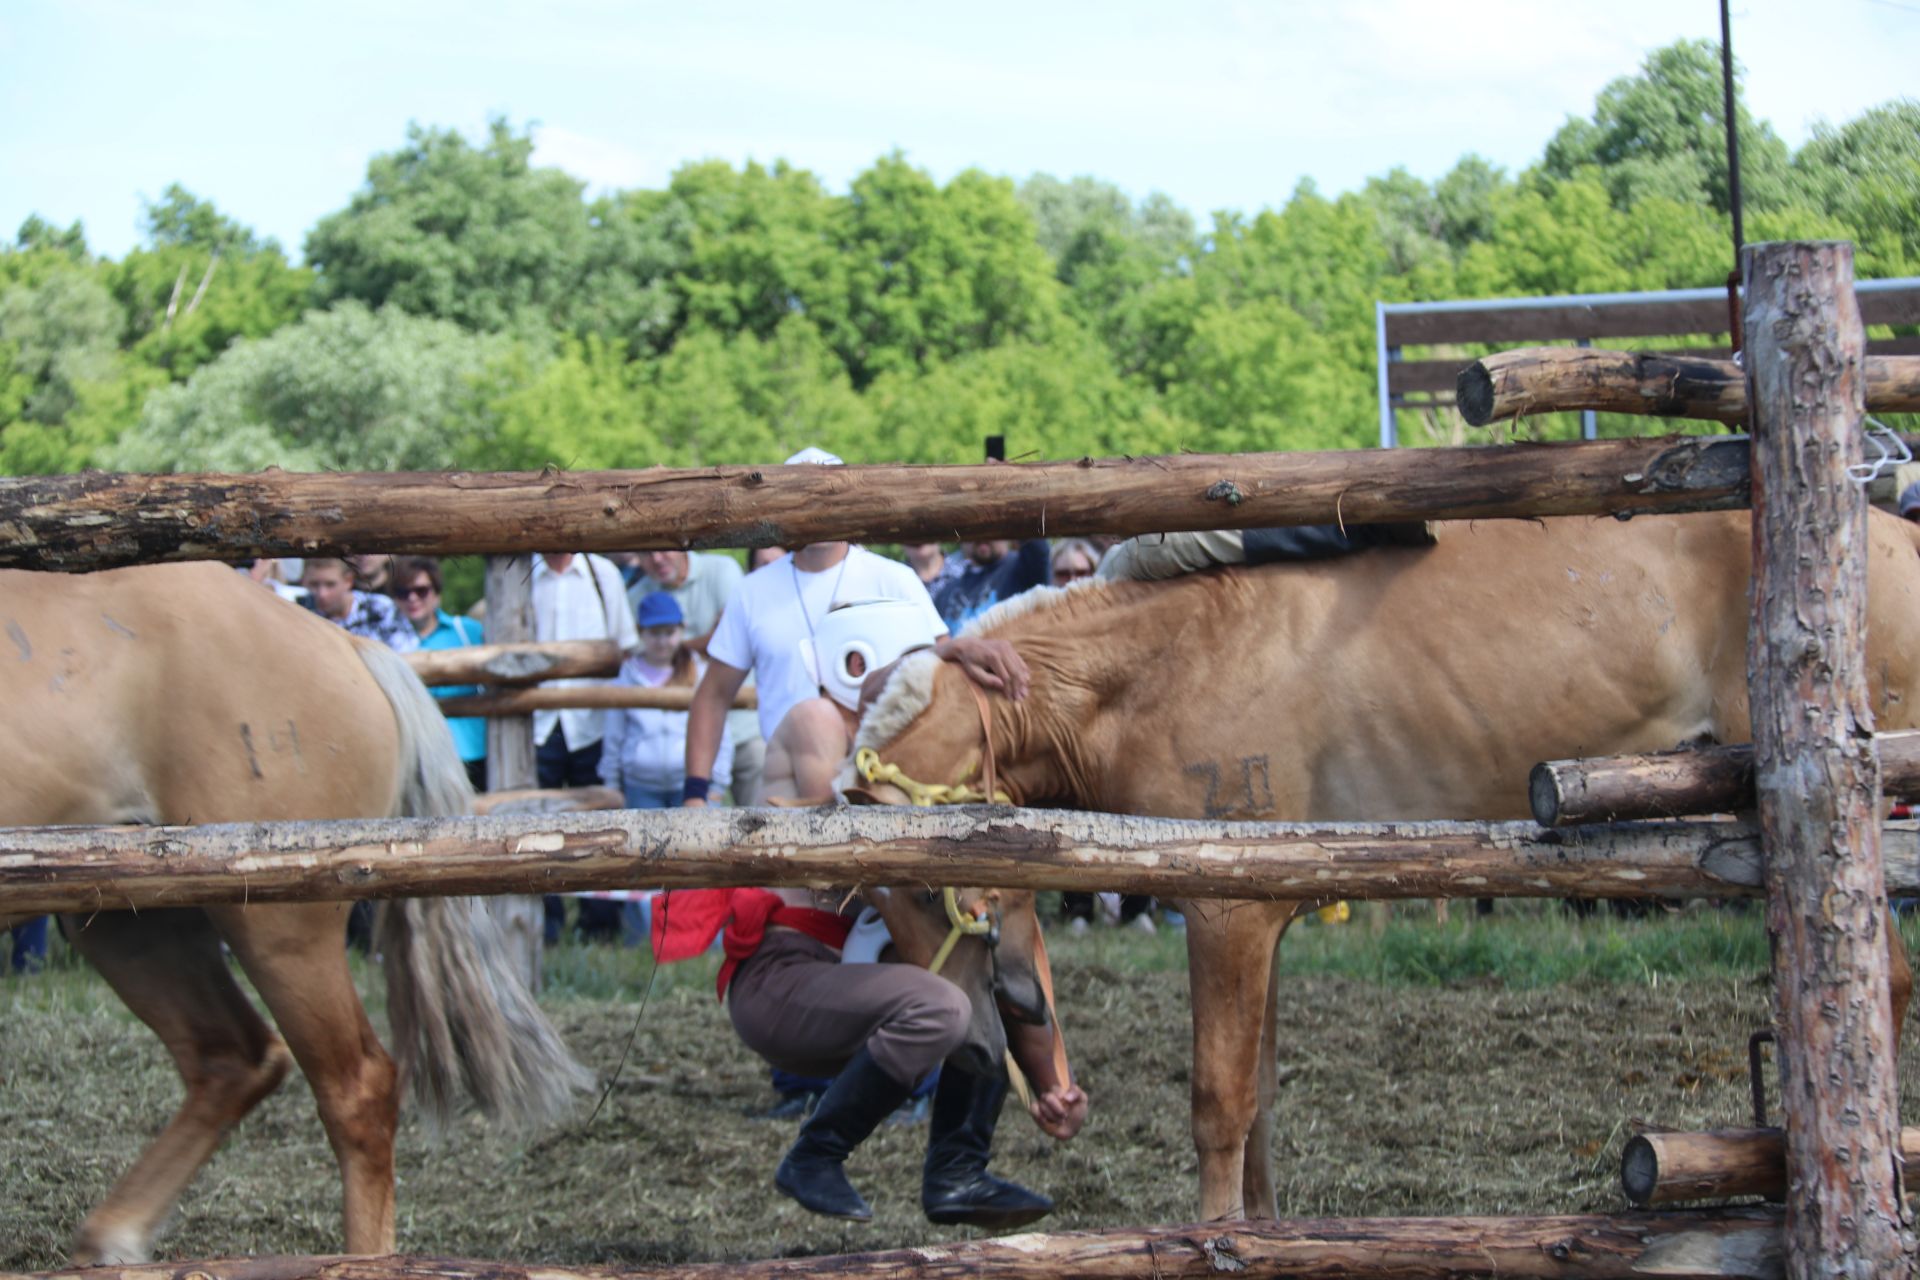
x,y
658,609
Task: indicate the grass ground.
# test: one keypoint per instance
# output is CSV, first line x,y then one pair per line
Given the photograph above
x,y
1480,1067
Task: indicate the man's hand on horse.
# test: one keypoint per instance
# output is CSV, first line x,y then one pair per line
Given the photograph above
x,y
992,664
1060,1111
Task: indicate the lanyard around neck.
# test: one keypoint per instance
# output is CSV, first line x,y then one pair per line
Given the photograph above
x,y
801,596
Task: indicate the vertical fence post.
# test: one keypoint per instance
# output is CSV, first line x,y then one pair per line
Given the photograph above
x,y
1817,773
510,746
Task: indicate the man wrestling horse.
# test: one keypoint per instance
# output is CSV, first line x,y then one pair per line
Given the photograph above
x,y
188,694
1397,684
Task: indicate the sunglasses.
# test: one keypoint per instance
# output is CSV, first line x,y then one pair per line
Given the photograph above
x,y
417,593
1070,575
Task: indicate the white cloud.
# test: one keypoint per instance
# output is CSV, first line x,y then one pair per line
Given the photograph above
x,y
600,163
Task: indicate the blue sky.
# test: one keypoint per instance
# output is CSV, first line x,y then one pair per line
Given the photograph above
x,y
272,110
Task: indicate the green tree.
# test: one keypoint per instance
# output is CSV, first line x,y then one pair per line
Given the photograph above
x,y
346,389
1662,133
62,333
738,398
583,408
38,235
473,235
181,219
1059,400
203,282
1866,174
1114,258
933,273
1257,376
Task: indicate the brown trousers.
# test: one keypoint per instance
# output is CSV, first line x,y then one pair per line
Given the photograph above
x,y
797,1006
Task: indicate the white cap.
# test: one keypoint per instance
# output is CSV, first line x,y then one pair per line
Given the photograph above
x,y
818,457
878,631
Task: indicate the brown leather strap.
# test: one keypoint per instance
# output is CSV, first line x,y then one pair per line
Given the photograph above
x,y
989,775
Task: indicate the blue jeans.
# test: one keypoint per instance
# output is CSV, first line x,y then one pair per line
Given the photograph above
x,y
636,918
29,950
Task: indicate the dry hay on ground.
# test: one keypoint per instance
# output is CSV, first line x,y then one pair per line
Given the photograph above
x,y
1397,1100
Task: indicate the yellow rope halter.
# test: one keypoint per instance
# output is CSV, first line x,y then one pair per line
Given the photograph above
x,y
925,795
922,794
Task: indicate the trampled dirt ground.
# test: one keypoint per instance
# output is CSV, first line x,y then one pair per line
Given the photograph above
x,y
1474,1097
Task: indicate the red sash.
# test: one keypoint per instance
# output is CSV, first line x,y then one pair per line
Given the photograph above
x,y
685,922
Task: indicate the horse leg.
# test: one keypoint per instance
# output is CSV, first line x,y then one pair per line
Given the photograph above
x,y
297,958
1230,966
167,967
1257,1165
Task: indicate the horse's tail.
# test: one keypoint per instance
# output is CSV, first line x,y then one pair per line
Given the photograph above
x,y
462,1017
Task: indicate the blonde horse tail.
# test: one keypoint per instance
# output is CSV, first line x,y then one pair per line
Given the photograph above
x,y
463,1020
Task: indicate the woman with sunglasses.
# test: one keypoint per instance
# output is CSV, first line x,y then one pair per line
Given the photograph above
x,y
416,585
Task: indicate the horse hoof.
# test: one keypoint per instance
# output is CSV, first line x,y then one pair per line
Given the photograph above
x,y
96,1248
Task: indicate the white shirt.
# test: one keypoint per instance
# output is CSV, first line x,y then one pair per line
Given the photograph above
x,y
586,601
777,606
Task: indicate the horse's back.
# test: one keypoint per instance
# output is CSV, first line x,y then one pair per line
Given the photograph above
x,y
182,693
1511,642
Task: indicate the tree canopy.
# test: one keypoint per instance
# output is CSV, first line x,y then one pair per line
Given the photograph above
x,y
467,307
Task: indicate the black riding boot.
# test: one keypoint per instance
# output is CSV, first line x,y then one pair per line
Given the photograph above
x,y
859,1098
956,1187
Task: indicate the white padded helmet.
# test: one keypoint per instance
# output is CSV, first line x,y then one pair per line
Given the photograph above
x,y
875,631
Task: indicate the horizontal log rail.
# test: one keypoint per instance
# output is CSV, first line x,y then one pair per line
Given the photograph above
x,y
99,520
1628,1246
1533,380
511,664
1676,784
521,702
104,868
548,800
1672,1168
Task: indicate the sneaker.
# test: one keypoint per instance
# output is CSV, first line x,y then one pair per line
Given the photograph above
x,y
1076,926
1143,922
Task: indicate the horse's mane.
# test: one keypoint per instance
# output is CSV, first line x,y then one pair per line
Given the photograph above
x,y
910,688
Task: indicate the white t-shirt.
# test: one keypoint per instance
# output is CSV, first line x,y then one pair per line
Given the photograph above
x,y
777,606
584,602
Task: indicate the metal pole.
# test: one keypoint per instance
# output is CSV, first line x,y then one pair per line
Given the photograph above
x,y
1380,362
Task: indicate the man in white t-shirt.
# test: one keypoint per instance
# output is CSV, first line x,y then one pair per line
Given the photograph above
x,y
778,605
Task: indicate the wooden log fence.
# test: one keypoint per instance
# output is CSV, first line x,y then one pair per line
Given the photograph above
x,y
100,520
106,868
520,702
1531,380
1676,784
1659,1169
548,800
1631,1246
510,664
1826,865
1815,772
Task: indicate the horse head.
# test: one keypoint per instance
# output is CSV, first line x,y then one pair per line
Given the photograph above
x,y
924,743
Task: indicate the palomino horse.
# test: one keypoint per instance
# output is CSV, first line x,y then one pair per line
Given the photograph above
x,y
187,694
1396,684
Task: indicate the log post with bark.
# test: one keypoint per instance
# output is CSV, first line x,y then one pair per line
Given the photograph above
x,y
510,751
1534,380
1668,1168
1678,784
1730,1243
516,663
99,520
111,868
524,702
1814,766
